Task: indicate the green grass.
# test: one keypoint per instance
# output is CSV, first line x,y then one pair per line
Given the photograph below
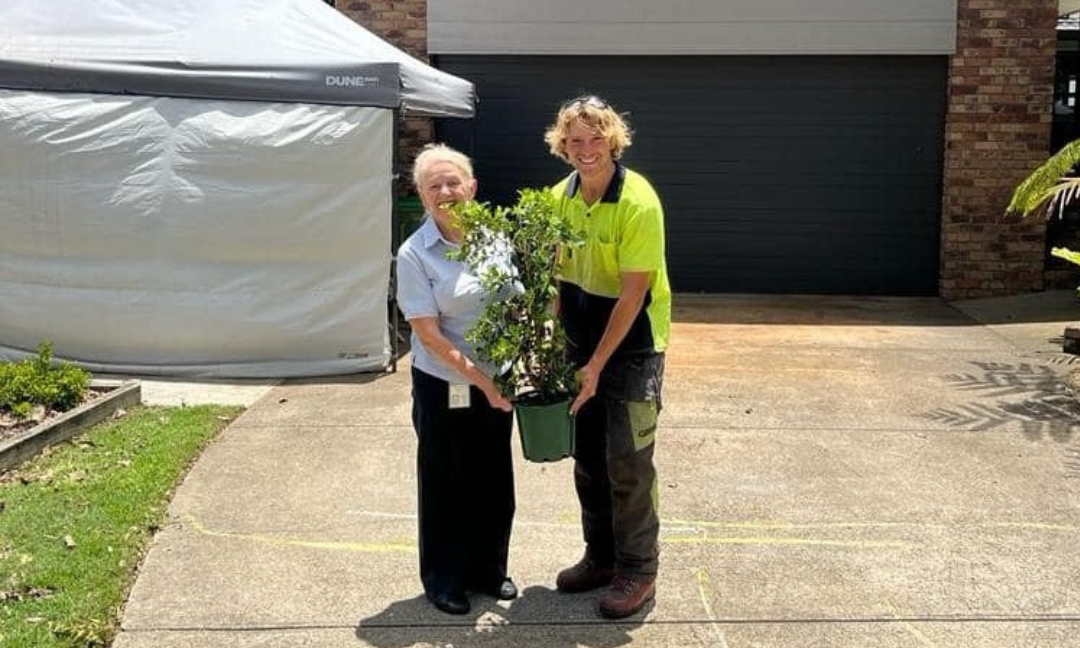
x,y
74,523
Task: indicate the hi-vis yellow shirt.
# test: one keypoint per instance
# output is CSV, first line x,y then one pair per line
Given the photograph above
x,y
624,232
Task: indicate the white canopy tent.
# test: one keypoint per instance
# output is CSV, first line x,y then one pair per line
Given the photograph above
x,y
202,187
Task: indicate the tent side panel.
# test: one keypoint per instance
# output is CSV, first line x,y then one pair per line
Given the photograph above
x,y
184,237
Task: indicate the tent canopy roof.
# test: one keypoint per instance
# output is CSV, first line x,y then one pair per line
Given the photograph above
x,y
268,50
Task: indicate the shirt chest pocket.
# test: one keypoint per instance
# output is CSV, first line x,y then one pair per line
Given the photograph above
x,y
599,265
603,229
601,272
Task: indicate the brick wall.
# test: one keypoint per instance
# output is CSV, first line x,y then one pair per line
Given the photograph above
x,y
997,130
404,24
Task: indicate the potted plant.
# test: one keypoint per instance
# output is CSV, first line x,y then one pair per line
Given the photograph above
x,y
515,252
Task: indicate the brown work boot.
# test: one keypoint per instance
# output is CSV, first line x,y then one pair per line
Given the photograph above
x,y
629,593
584,576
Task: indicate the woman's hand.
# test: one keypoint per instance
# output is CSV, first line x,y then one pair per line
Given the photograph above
x,y
495,399
431,336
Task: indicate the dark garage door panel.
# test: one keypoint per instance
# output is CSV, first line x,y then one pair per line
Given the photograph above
x,y
778,174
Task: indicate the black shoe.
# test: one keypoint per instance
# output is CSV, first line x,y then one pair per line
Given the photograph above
x,y
450,602
504,590
507,590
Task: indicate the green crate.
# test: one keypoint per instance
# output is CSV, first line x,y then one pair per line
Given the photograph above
x,y
408,214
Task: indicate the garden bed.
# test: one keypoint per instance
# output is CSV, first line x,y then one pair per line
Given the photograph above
x,y
21,440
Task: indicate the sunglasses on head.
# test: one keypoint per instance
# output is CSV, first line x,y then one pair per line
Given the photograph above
x,y
591,101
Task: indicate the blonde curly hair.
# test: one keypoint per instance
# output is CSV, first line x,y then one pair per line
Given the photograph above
x,y
595,114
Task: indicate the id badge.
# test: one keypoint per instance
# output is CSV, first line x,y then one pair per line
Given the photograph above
x,y
459,396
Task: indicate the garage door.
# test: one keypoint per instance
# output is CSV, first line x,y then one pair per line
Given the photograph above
x,y
778,174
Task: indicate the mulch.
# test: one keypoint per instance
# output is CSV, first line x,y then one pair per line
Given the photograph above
x,y
11,427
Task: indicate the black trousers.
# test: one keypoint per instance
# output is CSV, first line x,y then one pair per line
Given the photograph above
x,y
614,474
465,476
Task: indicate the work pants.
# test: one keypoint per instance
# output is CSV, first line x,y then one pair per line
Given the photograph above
x,y
614,472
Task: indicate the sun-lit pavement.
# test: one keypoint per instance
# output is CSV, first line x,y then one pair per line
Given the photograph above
x,y
834,472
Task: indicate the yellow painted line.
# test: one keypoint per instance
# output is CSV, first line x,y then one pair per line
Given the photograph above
x,y
911,629
676,526
1035,526
705,592
1032,526
705,540
672,531
705,524
359,547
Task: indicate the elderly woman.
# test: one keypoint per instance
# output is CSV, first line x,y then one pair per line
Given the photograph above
x,y
463,463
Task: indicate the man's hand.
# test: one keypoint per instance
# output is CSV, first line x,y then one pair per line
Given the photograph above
x,y
588,377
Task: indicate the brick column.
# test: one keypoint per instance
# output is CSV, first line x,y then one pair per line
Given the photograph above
x,y
997,130
403,23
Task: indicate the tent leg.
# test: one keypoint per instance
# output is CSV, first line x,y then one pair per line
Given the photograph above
x,y
394,218
391,299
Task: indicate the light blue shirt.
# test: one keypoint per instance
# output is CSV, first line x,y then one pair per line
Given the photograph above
x,y
430,285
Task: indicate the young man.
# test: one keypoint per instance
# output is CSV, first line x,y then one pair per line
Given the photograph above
x,y
615,303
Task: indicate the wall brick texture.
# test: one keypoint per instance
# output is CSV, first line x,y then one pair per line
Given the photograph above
x,y
404,24
997,130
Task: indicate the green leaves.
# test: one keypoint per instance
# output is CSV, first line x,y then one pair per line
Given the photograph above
x,y
515,252
36,381
1067,254
1052,186
1049,185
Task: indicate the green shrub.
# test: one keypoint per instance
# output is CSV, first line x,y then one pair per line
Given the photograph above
x,y
519,329
37,381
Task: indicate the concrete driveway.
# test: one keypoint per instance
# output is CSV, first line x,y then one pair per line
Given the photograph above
x,y
834,472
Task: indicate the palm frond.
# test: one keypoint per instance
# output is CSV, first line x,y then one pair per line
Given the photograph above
x,y
1063,195
1067,254
1049,185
